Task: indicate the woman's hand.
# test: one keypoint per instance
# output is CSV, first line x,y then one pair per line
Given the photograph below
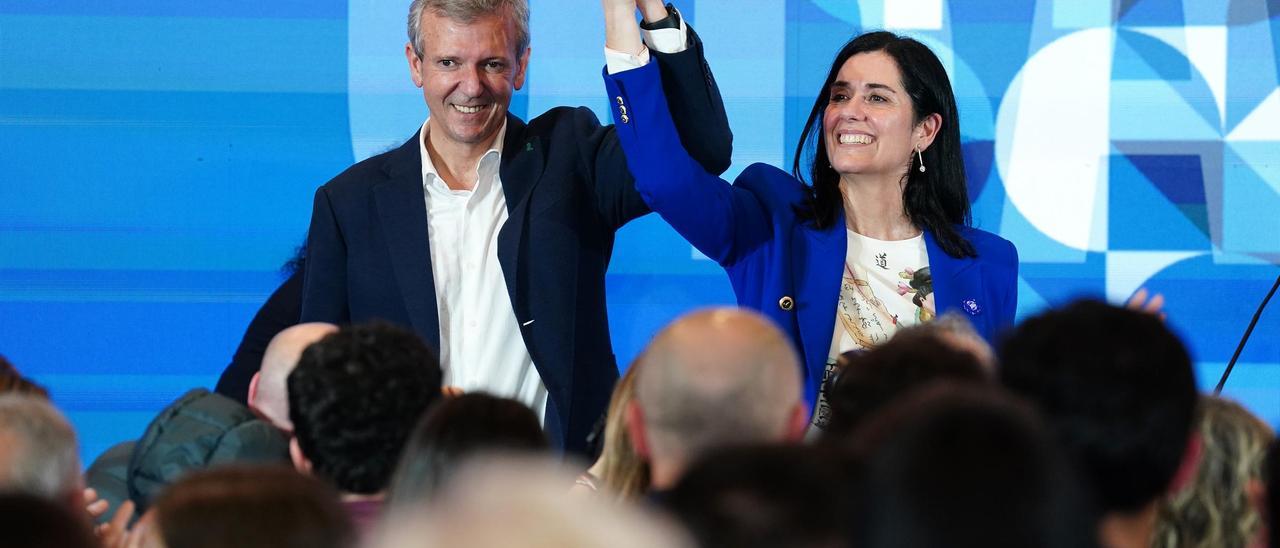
x,y
1140,302
652,10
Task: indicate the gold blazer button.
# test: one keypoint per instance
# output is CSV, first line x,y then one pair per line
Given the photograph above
x,y
786,303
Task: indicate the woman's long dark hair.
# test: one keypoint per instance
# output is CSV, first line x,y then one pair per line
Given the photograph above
x,y
935,200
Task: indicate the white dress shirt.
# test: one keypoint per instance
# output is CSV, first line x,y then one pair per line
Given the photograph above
x,y
481,348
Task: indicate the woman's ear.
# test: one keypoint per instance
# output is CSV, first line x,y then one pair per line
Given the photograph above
x,y
927,130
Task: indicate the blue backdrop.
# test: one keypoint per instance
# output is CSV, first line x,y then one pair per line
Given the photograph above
x,y
157,161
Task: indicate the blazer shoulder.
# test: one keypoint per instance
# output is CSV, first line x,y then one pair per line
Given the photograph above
x,y
364,174
991,248
775,188
564,118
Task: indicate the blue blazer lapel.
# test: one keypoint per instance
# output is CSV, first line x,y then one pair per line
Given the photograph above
x,y
949,289
817,271
402,210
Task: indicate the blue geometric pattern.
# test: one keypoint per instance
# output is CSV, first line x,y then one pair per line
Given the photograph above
x,y
159,160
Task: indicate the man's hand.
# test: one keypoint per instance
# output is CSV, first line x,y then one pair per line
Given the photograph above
x,y
621,32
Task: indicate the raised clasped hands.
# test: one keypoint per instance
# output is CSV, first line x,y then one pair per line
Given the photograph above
x,y
652,10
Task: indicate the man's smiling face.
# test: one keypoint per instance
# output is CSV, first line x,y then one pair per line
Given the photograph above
x,y
467,72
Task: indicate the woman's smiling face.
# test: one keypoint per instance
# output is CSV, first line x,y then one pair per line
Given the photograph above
x,y
869,123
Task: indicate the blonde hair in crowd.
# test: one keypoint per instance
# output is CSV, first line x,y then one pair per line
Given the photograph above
x,y
622,473
1216,509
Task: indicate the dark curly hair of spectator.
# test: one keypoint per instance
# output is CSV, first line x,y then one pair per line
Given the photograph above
x,y
355,397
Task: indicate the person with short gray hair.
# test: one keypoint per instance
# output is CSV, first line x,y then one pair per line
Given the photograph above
x,y
714,378
38,452
489,236
467,11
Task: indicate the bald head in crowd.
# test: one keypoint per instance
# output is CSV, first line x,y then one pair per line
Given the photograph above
x,y
713,378
268,394
38,453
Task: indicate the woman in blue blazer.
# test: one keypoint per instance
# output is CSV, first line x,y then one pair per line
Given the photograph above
x,y
870,231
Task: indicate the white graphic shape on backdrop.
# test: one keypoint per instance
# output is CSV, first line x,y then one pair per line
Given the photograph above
x,y
1263,124
871,12
1129,270
1052,139
385,108
913,14
1206,48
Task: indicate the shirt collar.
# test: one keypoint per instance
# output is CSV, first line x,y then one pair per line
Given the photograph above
x,y
487,168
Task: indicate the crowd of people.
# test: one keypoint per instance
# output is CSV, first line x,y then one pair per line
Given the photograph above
x,y
437,370
1082,428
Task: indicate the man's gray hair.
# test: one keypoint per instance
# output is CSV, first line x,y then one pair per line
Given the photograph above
x,y
467,11
38,453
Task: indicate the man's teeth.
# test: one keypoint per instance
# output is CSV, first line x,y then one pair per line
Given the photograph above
x,y
467,110
846,139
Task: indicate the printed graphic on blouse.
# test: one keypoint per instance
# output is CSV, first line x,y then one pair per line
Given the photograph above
x,y
886,285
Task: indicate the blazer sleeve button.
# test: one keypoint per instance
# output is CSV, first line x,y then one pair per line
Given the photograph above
x,y
786,303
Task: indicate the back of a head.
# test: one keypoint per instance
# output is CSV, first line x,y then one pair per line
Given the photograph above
x,y
268,394
764,496
717,377
354,398
38,452
1272,504
1216,509
30,521
456,429
1117,388
250,507
872,379
965,466
500,502
11,381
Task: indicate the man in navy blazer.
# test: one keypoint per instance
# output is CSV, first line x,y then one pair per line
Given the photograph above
x,y
563,189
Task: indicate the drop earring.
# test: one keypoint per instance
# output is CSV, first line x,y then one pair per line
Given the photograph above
x,y
921,157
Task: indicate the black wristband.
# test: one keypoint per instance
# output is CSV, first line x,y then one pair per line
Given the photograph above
x,y
671,21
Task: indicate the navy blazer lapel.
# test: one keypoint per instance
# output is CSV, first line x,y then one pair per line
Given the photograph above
x,y
521,168
402,210
817,275
522,163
